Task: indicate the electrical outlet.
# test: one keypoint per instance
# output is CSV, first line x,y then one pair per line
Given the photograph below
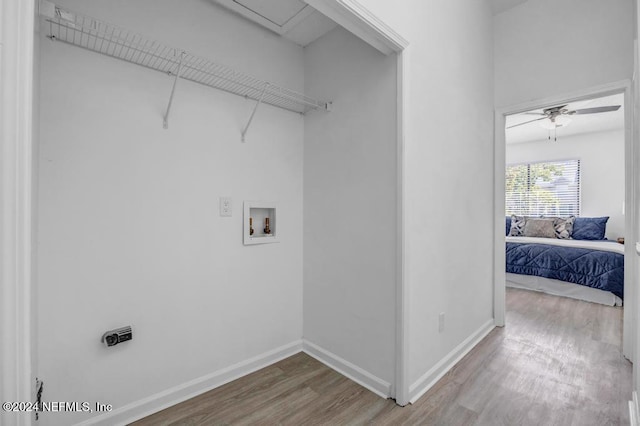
x,y
226,207
441,322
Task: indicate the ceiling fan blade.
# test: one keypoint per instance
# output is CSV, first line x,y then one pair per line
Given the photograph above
x,y
527,122
534,113
595,110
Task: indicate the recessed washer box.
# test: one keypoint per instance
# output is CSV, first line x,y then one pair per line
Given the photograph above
x,y
261,217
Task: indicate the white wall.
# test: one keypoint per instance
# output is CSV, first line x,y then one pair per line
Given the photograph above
x,y
545,48
350,203
448,174
128,214
601,157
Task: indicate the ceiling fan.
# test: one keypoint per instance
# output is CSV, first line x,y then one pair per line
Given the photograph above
x,y
556,114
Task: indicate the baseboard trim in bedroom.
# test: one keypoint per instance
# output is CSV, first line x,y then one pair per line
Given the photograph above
x,y
154,403
344,367
424,383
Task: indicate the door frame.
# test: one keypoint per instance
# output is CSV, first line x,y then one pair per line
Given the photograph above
x,y
17,363
631,175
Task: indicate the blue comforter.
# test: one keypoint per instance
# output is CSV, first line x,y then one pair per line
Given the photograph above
x,y
593,268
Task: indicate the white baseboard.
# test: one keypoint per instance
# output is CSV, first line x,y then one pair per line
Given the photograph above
x,y
424,383
177,394
172,396
634,410
344,367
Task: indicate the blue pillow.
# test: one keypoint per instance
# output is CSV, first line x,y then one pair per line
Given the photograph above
x,y
589,228
508,225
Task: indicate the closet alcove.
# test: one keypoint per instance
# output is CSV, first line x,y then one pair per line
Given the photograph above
x,y
139,131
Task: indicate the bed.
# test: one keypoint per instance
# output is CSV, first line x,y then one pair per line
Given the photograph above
x,y
591,269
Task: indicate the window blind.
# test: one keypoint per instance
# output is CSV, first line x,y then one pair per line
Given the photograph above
x,y
543,189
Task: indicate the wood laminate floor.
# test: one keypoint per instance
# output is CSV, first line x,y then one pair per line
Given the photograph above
x,y
557,362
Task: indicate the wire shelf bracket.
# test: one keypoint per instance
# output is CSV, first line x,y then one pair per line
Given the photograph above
x,y
165,121
255,108
97,36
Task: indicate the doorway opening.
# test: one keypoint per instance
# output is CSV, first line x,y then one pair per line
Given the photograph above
x,y
551,156
556,158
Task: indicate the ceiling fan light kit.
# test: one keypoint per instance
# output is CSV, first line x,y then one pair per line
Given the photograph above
x,y
552,124
559,116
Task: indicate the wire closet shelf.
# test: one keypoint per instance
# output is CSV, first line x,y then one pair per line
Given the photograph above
x,y
97,36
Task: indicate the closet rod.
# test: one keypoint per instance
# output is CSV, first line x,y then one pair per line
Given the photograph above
x,y
100,37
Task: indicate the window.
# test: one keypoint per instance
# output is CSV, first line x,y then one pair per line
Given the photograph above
x,y
543,189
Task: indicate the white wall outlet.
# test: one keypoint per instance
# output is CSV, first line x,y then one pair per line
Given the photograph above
x,y
441,322
226,207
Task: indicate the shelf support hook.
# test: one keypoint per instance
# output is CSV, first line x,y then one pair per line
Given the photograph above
x,y
173,91
255,108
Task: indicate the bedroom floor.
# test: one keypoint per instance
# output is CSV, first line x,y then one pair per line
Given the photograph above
x,y
557,362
